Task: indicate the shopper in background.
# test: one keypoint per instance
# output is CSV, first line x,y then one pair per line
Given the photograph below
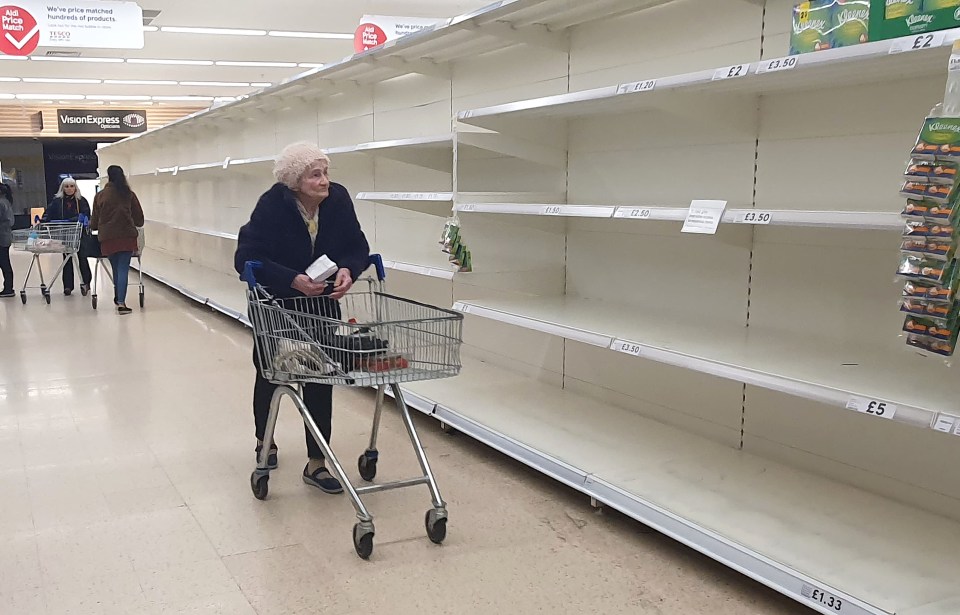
x,y
117,215
69,205
6,239
302,217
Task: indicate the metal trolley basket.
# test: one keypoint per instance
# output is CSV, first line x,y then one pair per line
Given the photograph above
x,y
62,237
367,339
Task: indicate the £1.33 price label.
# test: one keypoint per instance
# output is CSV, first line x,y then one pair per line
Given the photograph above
x,y
822,597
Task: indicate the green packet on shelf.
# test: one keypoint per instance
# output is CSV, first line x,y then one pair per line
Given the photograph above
x,y
930,327
939,310
920,208
940,137
928,269
898,9
915,289
851,23
930,344
936,5
812,23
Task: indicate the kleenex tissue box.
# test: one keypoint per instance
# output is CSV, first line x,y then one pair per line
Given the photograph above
x,y
321,269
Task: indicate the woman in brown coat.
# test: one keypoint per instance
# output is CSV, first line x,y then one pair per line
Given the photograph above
x,y
117,214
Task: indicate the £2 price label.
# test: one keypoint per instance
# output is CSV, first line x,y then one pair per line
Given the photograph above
x,y
873,407
731,72
920,42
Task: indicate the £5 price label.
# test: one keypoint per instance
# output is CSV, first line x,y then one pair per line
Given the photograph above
x,y
777,65
638,86
731,72
873,407
627,347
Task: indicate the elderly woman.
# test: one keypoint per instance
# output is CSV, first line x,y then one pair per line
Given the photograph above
x,y
302,217
69,204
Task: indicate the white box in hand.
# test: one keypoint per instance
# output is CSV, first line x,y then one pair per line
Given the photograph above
x,y
321,269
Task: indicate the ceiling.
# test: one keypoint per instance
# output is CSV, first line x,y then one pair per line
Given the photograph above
x,y
327,16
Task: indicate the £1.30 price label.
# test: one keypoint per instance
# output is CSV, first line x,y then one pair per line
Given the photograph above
x,y
552,210
873,407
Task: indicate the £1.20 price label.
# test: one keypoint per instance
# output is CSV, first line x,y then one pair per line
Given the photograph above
x,y
873,407
637,86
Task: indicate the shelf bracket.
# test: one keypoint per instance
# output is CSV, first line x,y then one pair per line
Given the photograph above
x,y
422,67
536,35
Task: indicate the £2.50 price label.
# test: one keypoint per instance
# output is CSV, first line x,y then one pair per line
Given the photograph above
x,y
873,407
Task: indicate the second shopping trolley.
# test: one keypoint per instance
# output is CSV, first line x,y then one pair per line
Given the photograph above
x,y
367,339
61,237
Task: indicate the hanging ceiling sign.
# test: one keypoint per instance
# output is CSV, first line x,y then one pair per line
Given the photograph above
x,y
27,25
378,29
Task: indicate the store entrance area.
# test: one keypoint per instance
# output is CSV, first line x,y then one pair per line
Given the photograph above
x,y
128,443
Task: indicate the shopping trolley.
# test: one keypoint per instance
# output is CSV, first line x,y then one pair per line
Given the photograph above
x,y
96,276
61,237
367,339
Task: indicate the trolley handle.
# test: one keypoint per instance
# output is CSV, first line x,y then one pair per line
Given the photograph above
x,y
250,270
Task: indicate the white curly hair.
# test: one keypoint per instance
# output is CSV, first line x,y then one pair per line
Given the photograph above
x,y
294,161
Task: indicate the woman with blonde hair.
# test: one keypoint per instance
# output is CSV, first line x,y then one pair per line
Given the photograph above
x,y
301,218
117,215
69,205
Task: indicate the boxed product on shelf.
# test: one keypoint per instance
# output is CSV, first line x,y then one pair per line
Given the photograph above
x,y
940,193
939,137
938,171
941,249
851,23
924,228
919,208
812,23
942,311
941,347
895,18
939,329
928,291
926,268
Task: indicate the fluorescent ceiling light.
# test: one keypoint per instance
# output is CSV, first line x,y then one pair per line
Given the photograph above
x,y
58,80
58,59
6,57
260,85
150,28
47,96
217,84
171,62
328,35
6,96
260,64
9,78
140,103
184,98
98,102
110,98
137,82
310,65
230,31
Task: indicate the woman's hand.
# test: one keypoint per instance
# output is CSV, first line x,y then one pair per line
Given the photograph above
x,y
343,284
307,286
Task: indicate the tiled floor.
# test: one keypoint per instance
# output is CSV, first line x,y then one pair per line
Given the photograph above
x,y
126,451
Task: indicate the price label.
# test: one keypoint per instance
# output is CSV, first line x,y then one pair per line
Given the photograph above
x,y
819,596
777,65
467,207
627,347
176,170
553,210
731,72
930,40
954,64
637,214
946,423
754,217
873,407
638,86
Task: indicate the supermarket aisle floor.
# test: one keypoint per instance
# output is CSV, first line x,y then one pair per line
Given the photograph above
x,y
126,452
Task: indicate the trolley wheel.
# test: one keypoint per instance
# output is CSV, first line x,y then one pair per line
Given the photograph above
x,y
84,290
23,297
46,297
436,526
94,302
141,298
367,464
260,486
363,541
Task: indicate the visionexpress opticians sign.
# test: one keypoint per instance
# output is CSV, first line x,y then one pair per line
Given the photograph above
x,y
27,25
101,121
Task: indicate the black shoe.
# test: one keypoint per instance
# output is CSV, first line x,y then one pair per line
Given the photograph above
x,y
322,480
67,292
84,289
123,310
7,294
272,462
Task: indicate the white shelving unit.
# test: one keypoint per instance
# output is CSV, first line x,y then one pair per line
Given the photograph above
x,y
717,388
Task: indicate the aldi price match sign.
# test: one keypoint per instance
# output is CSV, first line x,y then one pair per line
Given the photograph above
x,y
28,25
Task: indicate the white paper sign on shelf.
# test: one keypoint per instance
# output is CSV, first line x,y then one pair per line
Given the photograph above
x,y
946,423
637,86
873,407
777,65
753,217
704,217
930,40
627,347
731,72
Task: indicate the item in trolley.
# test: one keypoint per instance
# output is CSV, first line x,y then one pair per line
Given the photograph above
x,y
321,269
939,137
941,347
925,268
383,363
297,357
929,209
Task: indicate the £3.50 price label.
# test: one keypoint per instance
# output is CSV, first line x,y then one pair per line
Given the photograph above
x,y
637,86
819,596
873,407
627,347
754,217
731,72
777,65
